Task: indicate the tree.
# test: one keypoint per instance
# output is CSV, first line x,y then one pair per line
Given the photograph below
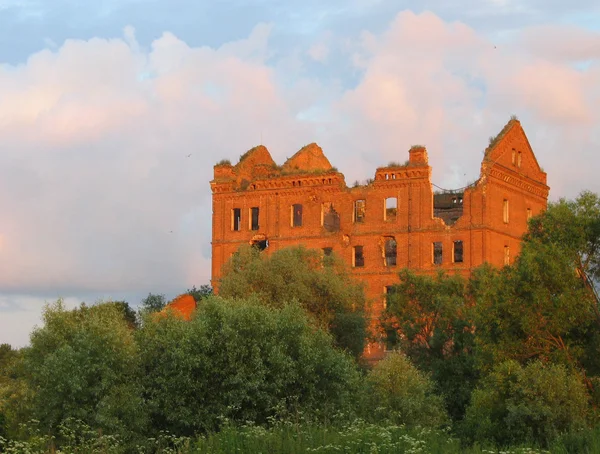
x,y
535,403
8,358
153,303
201,293
322,286
397,391
571,228
429,318
242,361
83,364
128,313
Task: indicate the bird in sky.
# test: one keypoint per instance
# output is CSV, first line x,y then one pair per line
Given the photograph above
x,y
189,155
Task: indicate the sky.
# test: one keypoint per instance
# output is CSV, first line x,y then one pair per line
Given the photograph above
x,y
102,102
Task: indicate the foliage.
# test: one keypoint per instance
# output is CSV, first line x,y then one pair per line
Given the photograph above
x,y
429,318
82,364
153,303
535,403
8,358
537,308
328,292
571,229
201,293
399,392
242,361
128,313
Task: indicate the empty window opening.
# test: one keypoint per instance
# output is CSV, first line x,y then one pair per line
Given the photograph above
x,y
390,251
391,208
297,215
260,242
519,159
236,217
458,252
529,213
358,259
389,292
254,218
437,253
393,176
359,210
387,177
330,219
448,206
505,211
506,255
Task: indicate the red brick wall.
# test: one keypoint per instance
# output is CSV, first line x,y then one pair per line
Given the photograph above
x,y
308,179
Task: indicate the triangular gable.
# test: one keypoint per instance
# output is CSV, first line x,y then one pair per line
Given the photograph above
x,y
308,158
511,149
255,156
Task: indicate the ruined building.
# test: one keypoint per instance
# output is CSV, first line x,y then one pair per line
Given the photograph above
x,y
395,221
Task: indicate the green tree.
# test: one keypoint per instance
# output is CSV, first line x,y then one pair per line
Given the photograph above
x,y
397,391
153,303
429,319
242,361
322,286
128,313
535,403
536,308
8,358
83,364
200,293
571,228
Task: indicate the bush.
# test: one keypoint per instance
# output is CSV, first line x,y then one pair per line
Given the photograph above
x,y
239,360
536,403
323,286
397,391
83,364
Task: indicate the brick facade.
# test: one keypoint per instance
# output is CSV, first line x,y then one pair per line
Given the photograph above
x,y
395,221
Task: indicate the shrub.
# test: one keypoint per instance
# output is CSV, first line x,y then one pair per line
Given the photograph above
x,y
83,364
535,403
397,391
239,360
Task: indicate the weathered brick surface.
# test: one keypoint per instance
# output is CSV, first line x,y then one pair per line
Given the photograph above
x,y
509,171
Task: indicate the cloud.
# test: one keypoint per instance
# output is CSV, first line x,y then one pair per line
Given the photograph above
x,y
99,197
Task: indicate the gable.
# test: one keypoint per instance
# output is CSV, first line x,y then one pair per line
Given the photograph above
x,y
511,149
307,159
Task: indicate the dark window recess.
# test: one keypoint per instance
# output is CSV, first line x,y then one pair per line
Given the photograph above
x,y
359,210
260,242
331,219
237,217
437,253
297,215
254,218
448,206
391,340
327,251
359,258
458,252
390,252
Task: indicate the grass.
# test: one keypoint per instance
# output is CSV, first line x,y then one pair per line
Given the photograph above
x,y
355,437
